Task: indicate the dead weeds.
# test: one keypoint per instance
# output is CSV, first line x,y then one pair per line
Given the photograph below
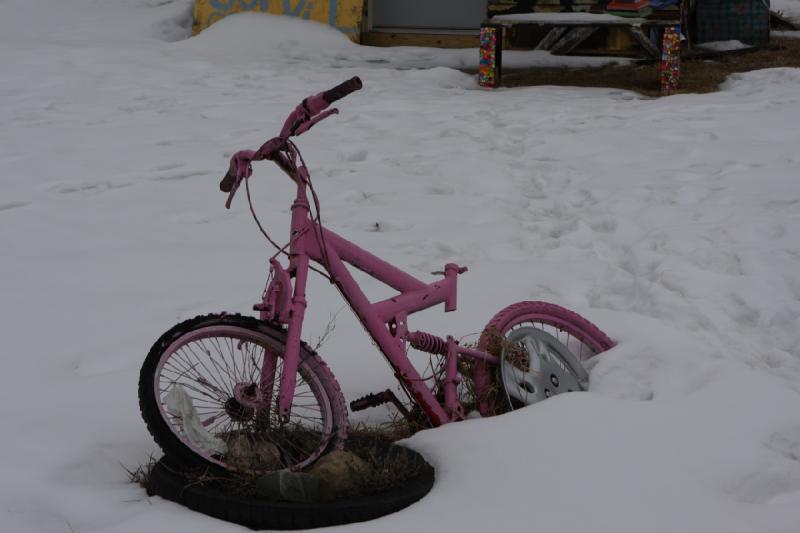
x,y
141,473
388,467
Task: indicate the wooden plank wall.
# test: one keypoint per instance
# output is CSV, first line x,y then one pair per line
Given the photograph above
x,y
506,7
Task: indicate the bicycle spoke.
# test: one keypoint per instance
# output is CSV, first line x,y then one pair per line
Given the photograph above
x,y
184,379
209,368
220,352
211,360
184,357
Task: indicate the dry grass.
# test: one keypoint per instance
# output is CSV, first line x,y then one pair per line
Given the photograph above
x,y
141,473
388,467
397,428
697,75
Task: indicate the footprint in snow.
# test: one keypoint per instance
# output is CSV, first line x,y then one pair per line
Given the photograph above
x,y
162,168
608,225
12,205
87,187
175,176
353,156
440,190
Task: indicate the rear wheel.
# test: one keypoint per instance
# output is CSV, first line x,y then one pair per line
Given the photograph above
x,y
203,398
541,347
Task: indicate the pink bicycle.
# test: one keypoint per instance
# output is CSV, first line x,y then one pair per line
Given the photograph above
x,y
248,395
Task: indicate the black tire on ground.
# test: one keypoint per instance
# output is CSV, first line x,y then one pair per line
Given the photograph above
x,y
168,482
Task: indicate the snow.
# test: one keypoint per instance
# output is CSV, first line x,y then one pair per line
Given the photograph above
x,y
245,35
724,46
672,223
789,8
567,18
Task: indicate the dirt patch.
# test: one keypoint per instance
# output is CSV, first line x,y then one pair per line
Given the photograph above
x,y
697,75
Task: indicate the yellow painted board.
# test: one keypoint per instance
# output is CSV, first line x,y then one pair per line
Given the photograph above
x,y
344,15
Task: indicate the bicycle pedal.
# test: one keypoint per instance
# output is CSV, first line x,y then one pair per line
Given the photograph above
x,y
370,400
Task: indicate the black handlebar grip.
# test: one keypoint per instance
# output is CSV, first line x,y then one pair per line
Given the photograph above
x,y
227,182
342,90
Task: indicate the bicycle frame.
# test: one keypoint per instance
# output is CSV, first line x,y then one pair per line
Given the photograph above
x,y
238,404
385,321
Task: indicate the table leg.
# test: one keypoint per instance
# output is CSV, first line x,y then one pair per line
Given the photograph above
x,y
491,55
670,60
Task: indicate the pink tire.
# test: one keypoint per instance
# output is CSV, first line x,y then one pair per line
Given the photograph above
x,y
581,337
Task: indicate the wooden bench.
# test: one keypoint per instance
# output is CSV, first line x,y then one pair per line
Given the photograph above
x,y
565,32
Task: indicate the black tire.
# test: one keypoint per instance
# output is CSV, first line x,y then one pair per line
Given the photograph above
x,y
163,433
171,484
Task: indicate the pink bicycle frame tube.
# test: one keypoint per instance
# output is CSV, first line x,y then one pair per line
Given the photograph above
x,y
308,240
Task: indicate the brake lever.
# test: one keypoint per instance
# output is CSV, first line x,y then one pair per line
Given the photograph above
x,y
305,126
240,168
227,182
236,182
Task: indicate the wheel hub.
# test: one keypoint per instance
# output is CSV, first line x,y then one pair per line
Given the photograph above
x,y
535,365
246,400
237,411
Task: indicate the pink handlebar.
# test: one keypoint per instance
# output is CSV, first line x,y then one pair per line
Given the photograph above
x,y
312,106
310,111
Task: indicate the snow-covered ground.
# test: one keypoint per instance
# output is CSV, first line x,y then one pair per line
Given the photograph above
x,y
674,224
790,8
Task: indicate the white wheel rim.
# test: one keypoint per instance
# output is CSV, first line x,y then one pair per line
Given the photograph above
x,y
535,365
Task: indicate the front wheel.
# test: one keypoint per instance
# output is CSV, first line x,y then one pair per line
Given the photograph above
x,y
541,347
204,398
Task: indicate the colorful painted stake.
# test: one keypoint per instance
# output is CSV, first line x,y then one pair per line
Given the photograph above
x,y
670,60
491,46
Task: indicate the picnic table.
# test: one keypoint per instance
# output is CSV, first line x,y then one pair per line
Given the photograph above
x,y
566,32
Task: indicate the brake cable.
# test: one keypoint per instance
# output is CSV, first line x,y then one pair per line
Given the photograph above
x,y
321,237
282,249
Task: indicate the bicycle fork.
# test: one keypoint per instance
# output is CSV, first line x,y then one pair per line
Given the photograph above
x,y
287,305
291,358
293,317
